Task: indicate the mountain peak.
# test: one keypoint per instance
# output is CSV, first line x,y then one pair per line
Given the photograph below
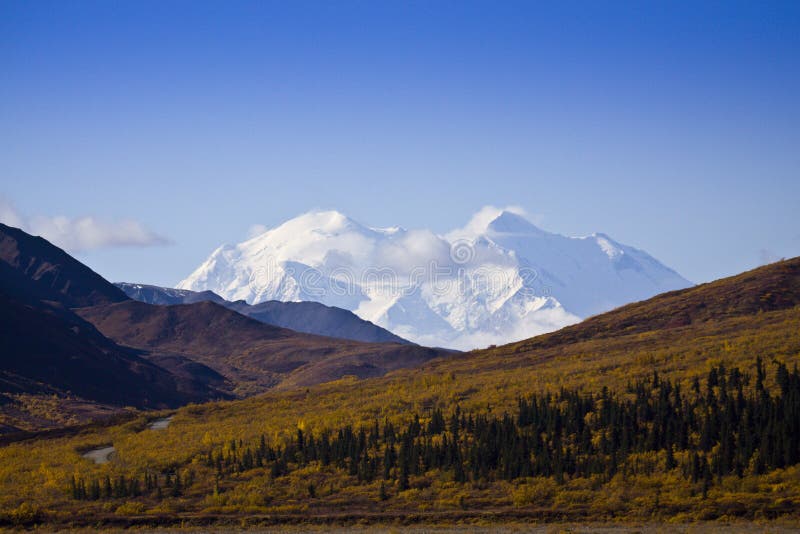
x,y
509,222
330,217
320,221
491,220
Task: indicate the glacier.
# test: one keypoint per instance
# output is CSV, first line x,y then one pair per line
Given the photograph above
x,y
498,279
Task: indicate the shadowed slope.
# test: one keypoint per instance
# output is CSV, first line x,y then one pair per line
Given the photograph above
x,y
308,317
252,354
46,349
52,274
49,350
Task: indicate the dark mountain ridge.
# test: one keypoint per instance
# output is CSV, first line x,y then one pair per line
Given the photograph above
x,y
253,355
45,349
51,274
307,317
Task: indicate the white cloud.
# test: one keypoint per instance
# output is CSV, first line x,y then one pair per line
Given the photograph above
x,y
80,234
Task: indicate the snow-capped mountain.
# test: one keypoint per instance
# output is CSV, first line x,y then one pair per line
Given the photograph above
x,y
498,279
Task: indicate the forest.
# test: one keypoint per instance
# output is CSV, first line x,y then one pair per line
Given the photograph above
x,y
727,425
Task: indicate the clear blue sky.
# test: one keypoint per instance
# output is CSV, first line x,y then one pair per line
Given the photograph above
x,y
674,127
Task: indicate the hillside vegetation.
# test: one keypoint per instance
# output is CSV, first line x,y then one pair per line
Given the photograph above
x,y
705,342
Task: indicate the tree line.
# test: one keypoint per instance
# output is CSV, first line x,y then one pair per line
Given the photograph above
x,y
168,483
730,424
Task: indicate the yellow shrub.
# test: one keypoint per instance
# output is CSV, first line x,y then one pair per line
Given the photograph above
x,y
538,491
130,508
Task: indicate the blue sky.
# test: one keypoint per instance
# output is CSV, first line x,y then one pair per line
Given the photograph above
x,y
673,127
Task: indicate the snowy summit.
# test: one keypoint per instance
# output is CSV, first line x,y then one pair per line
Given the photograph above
x,y
498,279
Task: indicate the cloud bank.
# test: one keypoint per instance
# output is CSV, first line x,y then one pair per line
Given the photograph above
x,y
81,234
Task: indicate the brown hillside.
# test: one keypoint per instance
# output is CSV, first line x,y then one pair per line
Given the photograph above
x,y
46,350
769,288
254,356
39,269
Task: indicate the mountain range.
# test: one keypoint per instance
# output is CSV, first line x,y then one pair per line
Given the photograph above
x,y
46,348
498,279
308,317
70,333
